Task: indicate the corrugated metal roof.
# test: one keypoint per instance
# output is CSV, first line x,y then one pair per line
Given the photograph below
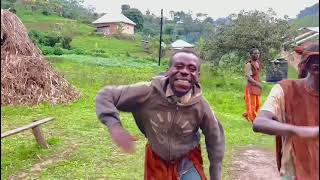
x,y
307,38
315,29
180,44
112,18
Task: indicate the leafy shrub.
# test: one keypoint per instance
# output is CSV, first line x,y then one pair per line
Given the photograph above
x,y
46,50
99,51
65,41
57,51
51,40
46,12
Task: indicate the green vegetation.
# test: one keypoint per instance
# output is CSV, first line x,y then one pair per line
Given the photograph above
x,y
76,124
80,147
111,46
306,21
246,30
40,22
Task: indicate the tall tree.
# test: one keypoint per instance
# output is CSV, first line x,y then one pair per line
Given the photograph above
x,y
136,16
124,7
246,30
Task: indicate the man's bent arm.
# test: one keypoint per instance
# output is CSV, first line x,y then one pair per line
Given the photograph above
x,y
113,99
267,123
215,142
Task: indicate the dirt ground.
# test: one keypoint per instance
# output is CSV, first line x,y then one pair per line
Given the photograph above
x,y
252,163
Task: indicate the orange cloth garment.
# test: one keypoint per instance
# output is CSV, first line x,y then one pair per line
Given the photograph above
x,y
158,169
302,109
252,94
252,104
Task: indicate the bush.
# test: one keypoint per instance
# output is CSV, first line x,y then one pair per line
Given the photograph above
x,y
36,36
99,51
80,51
57,51
65,41
51,40
46,12
46,50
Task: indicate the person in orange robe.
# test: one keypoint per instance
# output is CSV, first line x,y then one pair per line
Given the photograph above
x,y
253,87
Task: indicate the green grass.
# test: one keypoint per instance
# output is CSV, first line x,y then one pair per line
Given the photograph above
x,y
307,21
120,61
38,21
292,72
112,46
76,124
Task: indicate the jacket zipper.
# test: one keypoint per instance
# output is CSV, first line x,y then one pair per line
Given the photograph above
x,y
173,118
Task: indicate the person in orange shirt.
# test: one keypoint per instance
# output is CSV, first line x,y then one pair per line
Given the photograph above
x,y
253,88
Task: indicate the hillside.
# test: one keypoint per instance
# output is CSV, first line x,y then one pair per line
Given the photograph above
x,y
309,11
308,17
49,23
47,32
307,21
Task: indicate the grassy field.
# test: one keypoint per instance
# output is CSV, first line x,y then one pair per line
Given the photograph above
x,y
307,21
44,23
111,46
80,147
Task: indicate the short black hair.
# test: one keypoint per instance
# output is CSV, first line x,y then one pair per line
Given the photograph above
x,y
253,49
188,51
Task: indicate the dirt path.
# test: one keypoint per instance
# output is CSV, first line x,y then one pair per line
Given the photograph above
x,y
252,163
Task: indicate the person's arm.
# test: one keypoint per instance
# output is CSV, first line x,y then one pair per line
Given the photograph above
x,y
270,119
267,123
113,99
215,142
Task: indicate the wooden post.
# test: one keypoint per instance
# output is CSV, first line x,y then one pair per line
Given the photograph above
x,y
160,48
39,137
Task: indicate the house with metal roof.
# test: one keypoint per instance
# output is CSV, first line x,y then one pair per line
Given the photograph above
x,y
110,24
305,34
180,44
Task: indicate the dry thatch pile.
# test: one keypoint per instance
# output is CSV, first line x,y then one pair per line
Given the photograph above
x,y
26,77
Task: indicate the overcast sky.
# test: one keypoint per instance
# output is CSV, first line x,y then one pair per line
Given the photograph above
x,y
213,8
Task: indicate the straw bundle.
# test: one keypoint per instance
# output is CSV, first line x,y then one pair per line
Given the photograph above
x,y
26,77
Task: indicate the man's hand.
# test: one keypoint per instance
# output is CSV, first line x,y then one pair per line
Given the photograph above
x,y
306,132
122,139
258,84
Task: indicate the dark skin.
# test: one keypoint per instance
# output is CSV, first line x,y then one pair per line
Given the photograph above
x,y
254,56
266,122
183,74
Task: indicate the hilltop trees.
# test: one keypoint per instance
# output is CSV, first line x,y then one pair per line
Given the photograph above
x,y
134,15
246,30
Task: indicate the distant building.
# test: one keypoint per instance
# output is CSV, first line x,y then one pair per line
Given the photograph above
x,y
305,35
110,24
180,44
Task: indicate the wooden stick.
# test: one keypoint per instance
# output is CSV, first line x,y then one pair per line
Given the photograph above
x,y
30,126
39,137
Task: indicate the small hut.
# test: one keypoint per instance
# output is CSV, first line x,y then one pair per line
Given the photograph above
x,y
180,44
110,24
